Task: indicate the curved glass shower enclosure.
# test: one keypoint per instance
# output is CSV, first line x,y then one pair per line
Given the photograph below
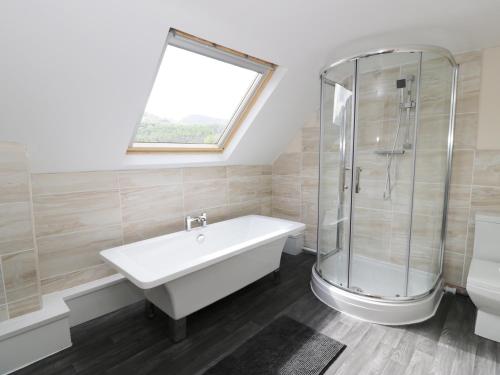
x,y
386,144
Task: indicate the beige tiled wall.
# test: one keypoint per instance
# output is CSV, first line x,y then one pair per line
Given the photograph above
x,y
295,181
79,214
19,282
475,183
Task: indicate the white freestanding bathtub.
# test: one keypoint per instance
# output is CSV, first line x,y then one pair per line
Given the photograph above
x,y
185,271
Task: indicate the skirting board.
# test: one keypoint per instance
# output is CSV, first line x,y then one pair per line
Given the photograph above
x,y
37,335
309,250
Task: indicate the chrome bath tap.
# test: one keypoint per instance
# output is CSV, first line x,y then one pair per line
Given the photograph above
x,y
202,220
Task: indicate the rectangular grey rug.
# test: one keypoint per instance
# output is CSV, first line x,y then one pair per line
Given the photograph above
x,y
284,347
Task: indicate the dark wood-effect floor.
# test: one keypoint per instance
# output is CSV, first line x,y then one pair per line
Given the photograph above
x,y
125,342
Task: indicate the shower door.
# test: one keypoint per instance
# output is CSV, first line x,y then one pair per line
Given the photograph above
x,y
337,107
383,164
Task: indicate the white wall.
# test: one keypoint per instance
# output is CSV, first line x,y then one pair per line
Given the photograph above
x,y
75,75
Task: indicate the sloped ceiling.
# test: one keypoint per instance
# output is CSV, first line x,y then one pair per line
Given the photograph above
x,y
75,75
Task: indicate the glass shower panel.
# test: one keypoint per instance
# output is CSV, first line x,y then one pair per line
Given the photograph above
x,y
430,172
334,192
382,184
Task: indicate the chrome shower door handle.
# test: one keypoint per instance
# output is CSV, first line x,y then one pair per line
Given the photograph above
x,y
343,179
357,177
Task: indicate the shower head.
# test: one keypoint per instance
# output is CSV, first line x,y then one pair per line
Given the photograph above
x,y
401,83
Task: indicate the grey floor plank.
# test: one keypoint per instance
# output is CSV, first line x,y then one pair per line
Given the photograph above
x,y
497,367
443,360
353,332
210,355
429,332
393,336
401,354
124,342
358,360
379,359
467,342
485,360
446,351
420,363
339,327
392,368
310,311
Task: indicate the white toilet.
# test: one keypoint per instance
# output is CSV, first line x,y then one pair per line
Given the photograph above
x,y
483,282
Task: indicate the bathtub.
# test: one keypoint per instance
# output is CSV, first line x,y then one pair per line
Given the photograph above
x,y
183,272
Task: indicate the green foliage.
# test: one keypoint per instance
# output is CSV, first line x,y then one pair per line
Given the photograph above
x,y
163,132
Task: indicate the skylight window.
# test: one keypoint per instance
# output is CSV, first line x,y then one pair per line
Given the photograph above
x,y
201,94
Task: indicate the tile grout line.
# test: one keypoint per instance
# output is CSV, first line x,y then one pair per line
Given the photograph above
x,y
6,304
183,194
92,230
120,200
33,242
16,252
13,203
43,195
496,187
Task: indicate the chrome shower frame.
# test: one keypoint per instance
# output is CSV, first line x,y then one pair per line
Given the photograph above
x,y
324,80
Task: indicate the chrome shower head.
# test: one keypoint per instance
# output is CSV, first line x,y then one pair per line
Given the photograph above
x,y
402,82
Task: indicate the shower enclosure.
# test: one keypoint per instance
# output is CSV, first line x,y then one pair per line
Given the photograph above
x,y
387,121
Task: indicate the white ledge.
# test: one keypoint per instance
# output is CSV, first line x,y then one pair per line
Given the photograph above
x,y
36,335
54,307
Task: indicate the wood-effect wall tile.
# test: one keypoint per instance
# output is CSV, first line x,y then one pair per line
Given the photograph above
x,y
70,252
72,212
59,183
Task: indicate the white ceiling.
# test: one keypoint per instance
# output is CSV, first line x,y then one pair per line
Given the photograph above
x,y
75,75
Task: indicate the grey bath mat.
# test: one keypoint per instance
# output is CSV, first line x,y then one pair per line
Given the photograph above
x,y
284,347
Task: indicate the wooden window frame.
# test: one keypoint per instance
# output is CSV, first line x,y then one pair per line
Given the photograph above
x,y
266,69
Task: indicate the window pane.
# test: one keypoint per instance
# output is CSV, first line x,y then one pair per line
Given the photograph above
x,y
193,99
